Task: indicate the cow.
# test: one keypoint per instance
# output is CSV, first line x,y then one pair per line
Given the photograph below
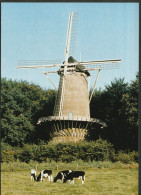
x,y
61,175
43,174
75,174
33,174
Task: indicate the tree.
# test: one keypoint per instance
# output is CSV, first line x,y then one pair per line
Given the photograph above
x,y
21,106
130,109
116,105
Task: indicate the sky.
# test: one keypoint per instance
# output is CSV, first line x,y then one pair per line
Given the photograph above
x,y
38,31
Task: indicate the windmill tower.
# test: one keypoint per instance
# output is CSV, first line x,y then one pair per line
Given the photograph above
x,y
71,117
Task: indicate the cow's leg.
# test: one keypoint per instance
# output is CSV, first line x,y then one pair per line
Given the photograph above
x,y
62,178
83,179
72,181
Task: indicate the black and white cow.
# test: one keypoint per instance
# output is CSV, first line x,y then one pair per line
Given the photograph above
x,y
33,174
45,174
61,175
75,174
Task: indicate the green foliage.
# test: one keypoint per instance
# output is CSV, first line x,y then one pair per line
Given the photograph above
x,y
117,106
8,155
21,106
99,150
126,157
130,110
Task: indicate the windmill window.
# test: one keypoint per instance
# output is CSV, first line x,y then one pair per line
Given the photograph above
x,y
70,115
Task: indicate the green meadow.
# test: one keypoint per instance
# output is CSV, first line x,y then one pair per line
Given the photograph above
x,y
102,178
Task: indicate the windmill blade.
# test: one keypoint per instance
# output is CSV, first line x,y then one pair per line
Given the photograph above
x,y
68,38
71,35
37,62
103,67
88,69
74,29
50,72
96,65
99,62
43,65
39,66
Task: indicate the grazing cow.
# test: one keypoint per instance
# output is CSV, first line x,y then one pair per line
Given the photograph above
x,y
75,174
33,174
44,174
61,175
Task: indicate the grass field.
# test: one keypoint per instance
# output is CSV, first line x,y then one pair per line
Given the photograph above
x,y
99,181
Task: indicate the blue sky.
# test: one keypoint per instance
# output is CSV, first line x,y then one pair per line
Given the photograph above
x,y
37,31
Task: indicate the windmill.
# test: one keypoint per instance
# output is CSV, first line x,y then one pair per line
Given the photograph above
x,y
71,117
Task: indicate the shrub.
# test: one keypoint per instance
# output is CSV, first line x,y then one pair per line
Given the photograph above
x,y
9,153
126,157
7,156
134,156
94,151
99,150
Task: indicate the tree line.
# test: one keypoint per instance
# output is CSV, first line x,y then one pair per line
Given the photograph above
x,y
23,103
117,106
